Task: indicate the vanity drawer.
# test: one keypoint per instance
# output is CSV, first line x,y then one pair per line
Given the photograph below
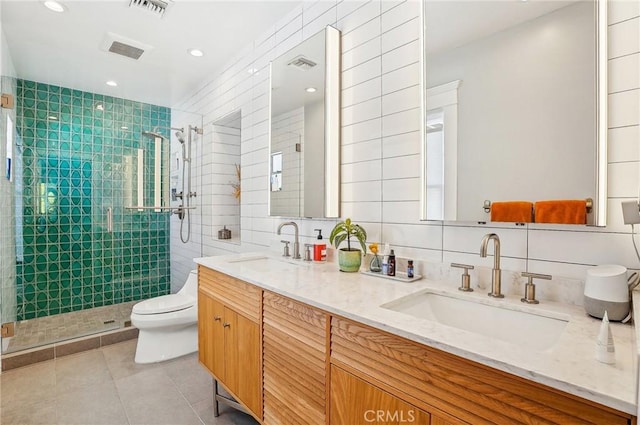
x,y
471,392
244,298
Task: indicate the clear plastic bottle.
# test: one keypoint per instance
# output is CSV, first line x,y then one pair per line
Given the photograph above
x,y
385,259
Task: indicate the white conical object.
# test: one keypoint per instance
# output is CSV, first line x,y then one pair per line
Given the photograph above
x,y
605,349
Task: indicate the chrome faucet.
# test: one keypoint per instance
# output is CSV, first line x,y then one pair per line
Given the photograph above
x,y
496,275
296,242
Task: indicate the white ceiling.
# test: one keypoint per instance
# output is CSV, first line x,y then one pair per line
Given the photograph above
x,y
454,23
65,48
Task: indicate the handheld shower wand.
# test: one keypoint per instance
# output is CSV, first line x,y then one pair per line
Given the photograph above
x,y
186,182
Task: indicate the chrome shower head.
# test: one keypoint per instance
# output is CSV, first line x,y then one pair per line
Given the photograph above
x,y
180,136
153,134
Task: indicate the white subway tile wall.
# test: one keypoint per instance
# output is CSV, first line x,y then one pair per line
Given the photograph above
x,y
381,150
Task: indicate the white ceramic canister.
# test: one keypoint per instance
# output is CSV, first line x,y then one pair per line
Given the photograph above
x,y
606,289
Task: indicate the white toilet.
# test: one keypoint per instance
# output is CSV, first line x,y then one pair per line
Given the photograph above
x,y
168,324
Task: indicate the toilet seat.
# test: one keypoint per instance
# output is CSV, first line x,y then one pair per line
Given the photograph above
x,y
164,304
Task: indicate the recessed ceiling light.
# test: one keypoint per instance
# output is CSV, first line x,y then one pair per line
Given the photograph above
x,y
196,52
54,6
310,89
112,83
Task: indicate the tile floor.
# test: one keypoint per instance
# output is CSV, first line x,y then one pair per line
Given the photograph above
x,y
105,386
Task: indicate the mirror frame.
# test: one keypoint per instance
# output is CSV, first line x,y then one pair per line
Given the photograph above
x,y
332,129
601,119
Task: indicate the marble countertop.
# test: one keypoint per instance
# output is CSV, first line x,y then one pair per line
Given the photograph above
x,y
570,365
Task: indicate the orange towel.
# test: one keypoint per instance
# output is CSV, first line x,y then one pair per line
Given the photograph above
x,y
562,211
514,211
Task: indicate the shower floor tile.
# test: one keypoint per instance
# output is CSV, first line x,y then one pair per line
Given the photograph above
x,y
107,387
61,327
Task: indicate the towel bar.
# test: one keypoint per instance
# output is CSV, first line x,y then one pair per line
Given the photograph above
x,y
486,205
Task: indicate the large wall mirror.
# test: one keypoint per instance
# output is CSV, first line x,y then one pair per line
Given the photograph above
x,y
304,144
515,105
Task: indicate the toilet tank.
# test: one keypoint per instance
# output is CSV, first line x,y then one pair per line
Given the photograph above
x,y
191,285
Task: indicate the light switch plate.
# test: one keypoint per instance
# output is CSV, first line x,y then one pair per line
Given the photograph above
x,y
631,212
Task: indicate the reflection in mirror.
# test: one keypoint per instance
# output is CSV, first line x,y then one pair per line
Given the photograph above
x,y
276,171
511,109
304,132
227,191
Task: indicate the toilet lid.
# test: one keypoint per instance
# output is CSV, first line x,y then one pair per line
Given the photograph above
x,y
164,304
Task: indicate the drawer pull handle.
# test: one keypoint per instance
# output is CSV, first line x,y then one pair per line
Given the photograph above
x,y
217,318
227,325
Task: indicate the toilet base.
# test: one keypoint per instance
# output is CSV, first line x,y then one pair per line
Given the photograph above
x,y
160,344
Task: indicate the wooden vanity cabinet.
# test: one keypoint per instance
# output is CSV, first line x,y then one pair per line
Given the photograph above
x,y
453,389
229,317
290,363
357,402
295,362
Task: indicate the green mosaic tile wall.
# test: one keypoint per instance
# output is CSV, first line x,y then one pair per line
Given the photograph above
x,y
79,157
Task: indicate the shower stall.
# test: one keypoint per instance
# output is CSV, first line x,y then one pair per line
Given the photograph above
x,y
92,211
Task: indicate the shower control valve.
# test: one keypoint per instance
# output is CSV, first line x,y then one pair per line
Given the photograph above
x,y
179,212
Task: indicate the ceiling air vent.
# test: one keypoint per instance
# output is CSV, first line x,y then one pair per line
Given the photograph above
x,y
126,50
157,7
124,46
302,63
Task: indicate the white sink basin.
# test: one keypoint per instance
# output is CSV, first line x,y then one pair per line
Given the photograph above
x,y
538,331
263,263
246,259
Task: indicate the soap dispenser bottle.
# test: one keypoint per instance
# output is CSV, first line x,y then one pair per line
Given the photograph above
x,y
319,249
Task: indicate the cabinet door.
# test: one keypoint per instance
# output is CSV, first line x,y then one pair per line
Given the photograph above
x,y
356,402
210,334
294,356
242,359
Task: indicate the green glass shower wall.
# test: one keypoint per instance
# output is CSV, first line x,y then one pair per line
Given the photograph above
x,y
79,157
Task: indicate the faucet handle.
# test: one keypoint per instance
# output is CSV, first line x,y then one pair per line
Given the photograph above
x,y
465,285
307,251
285,253
530,288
